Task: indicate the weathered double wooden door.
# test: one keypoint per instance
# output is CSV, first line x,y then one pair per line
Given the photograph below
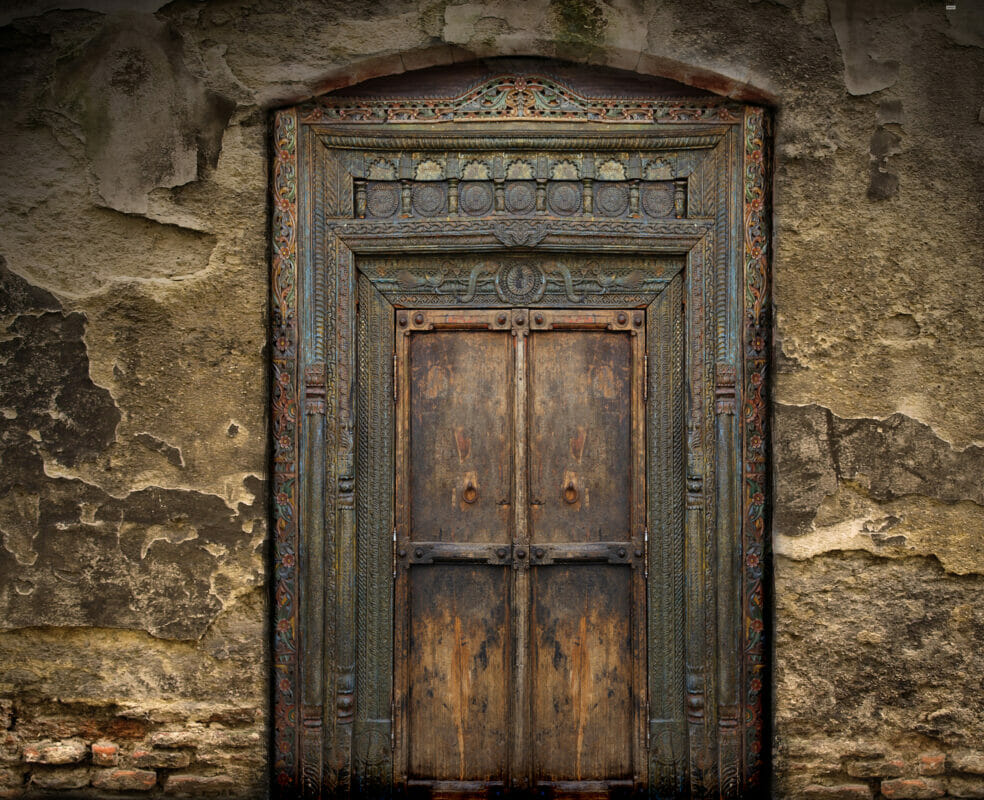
x,y
521,544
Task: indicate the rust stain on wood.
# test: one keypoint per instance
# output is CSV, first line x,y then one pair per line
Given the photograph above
x,y
460,689
580,688
578,441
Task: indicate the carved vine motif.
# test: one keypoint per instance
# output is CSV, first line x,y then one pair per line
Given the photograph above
x,y
754,435
522,97
519,282
284,423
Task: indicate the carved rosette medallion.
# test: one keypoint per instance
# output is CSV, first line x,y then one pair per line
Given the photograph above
x,y
564,197
382,199
520,282
611,199
429,199
475,197
657,199
520,197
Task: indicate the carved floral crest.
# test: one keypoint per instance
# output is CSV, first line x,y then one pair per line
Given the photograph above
x,y
526,97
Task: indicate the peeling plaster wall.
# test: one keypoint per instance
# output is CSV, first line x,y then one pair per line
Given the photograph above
x,y
133,319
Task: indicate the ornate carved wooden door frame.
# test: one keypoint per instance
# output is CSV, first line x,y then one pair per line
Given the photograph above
x,y
619,203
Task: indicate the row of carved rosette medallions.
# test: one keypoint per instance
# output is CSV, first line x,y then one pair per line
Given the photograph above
x,y
631,188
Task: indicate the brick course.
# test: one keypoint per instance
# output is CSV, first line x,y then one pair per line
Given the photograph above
x,y
71,751
105,754
125,780
198,785
912,789
60,778
845,791
958,786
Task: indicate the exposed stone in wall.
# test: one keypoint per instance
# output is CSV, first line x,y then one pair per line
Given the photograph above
x,y
133,310
891,487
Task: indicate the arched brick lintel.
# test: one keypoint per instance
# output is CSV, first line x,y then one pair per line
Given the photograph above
x,y
745,88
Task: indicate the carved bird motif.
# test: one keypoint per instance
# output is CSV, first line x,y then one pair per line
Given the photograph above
x,y
610,280
410,281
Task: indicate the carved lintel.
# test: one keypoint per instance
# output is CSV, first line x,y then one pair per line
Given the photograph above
x,y
314,388
519,233
726,378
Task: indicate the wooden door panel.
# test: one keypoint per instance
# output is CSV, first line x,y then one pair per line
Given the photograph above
x,y
579,433
521,640
460,436
459,668
582,673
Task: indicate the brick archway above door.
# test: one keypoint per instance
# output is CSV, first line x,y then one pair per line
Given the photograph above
x,y
483,192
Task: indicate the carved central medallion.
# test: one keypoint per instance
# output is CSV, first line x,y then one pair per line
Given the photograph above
x,y
520,282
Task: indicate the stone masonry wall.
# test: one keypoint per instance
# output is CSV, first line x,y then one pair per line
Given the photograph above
x,y
133,329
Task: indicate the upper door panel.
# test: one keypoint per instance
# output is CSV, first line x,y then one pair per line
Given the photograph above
x,y
461,435
579,434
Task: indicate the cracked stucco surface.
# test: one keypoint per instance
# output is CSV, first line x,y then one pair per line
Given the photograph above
x,y
133,321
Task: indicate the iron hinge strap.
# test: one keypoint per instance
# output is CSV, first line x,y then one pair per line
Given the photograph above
x,y
649,726
645,551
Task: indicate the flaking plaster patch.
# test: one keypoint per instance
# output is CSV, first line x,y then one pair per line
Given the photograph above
x,y
19,514
910,526
863,72
146,120
890,487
